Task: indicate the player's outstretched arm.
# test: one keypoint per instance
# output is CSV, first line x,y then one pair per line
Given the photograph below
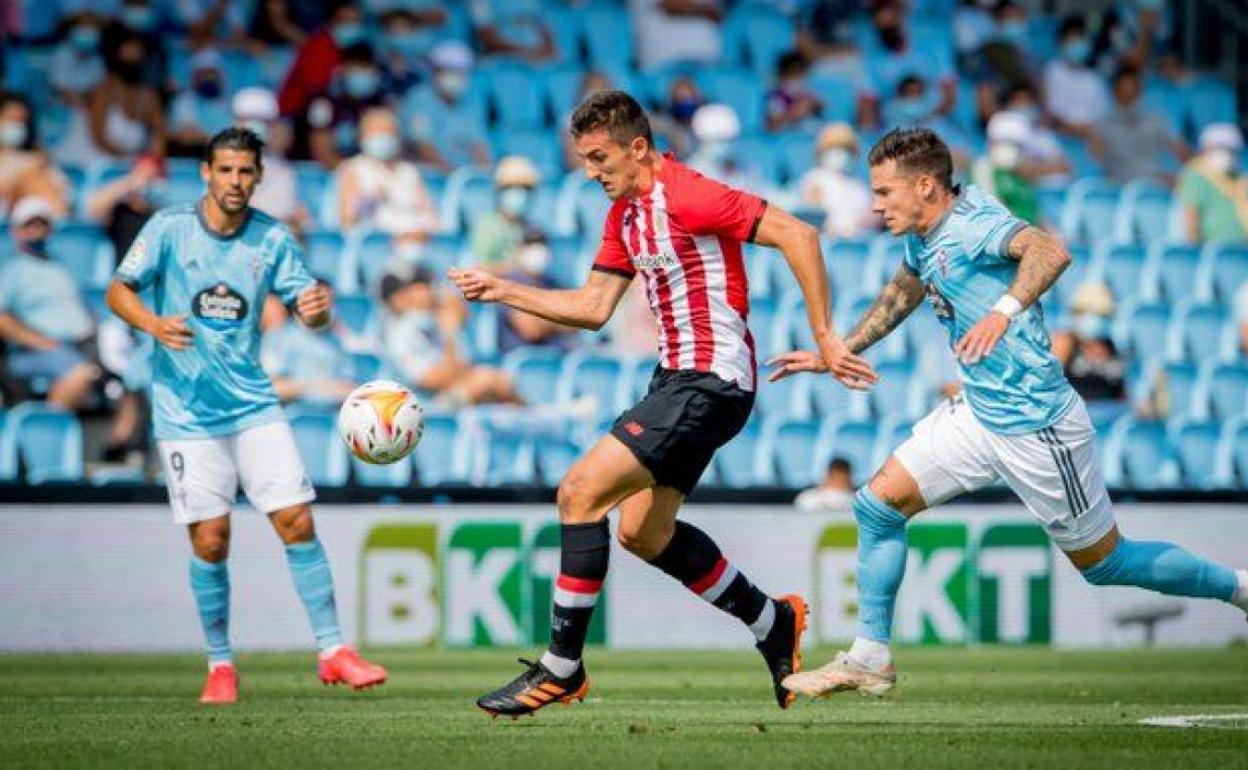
x,y
170,331
894,304
586,307
799,242
1041,260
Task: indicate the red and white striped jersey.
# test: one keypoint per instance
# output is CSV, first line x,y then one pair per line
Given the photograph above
x,y
684,236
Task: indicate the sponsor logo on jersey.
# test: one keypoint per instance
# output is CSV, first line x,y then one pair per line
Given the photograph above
x,y
655,261
219,307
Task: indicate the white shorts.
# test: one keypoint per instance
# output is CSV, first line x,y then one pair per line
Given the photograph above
x,y
203,474
1055,472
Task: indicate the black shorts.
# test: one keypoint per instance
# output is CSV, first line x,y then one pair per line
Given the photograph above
x,y
685,416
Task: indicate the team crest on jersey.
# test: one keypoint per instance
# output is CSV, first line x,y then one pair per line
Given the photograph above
x,y
219,307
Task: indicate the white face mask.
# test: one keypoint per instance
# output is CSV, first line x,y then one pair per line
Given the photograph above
x,y
12,134
1004,155
534,258
1221,160
836,158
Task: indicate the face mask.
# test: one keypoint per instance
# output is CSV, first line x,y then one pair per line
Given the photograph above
x,y
836,158
13,134
1221,160
909,110
383,147
130,72
534,258
1029,112
407,44
514,200
137,17
85,39
257,127
36,247
1015,32
347,34
683,109
1076,51
1003,155
411,252
209,89
453,84
360,84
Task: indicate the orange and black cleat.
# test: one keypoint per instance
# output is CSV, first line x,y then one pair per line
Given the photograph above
x,y
782,649
535,688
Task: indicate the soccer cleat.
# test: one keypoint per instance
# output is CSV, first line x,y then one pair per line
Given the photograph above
x,y
535,688
347,667
782,649
221,686
841,675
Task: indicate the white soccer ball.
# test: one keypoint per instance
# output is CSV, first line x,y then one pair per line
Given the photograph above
x,y
381,422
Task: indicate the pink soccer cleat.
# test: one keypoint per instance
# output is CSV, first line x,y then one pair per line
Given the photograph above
x,y
347,667
221,686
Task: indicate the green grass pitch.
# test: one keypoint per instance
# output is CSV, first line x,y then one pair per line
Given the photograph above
x,y
955,708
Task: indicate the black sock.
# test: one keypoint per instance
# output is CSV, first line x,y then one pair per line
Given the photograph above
x,y
585,550
693,558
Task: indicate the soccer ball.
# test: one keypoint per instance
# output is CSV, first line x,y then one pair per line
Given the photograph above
x,y
381,421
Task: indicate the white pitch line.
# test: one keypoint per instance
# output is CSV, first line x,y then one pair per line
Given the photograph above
x,y
1192,720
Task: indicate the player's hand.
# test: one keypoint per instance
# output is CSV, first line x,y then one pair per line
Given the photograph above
x,y
477,285
313,305
979,342
172,332
849,369
795,362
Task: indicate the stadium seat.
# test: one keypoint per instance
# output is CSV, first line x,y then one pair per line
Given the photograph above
x,y
596,374
1210,100
735,462
1222,389
892,434
504,457
555,458
796,152
846,261
755,35
1139,328
44,441
535,372
740,89
569,266
1196,332
1084,164
1171,272
1179,381
1052,199
608,36
1143,215
311,179
1224,268
356,311
762,322
761,150
367,366
789,397
86,251
1163,98
639,372
591,207
517,97
1074,274
563,89
1120,267
786,453
324,455
839,96
1195,445
1233,453
370,253
326,253
831,400
444,251
854,440
1140,455
451,217
1091,205
885,256
540,145
396,475
438,456
898,393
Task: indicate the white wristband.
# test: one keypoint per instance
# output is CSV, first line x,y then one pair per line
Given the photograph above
x,y
1008,306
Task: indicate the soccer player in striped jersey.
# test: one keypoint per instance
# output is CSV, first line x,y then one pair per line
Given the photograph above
x,y
1017,420
683,234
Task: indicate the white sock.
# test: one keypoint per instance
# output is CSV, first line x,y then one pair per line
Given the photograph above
x,y
765,620
870,653
1240,597
560,667
330,652
215,664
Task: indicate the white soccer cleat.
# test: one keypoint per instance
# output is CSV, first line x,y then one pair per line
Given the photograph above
x,y
841,675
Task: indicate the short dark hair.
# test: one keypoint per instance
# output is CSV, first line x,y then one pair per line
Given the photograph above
x,y
909,80
839,463
235,138
916,151
1071,24
1125,72
620,114
792,63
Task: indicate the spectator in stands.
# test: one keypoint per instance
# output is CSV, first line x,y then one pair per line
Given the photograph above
x,y
791,104
1088,355
1133,143
1003,171
407,36
317,60
668,31
834,186
530,267
305,364
673,121
1213,189
378,189
147,21
420,336
827,41
207,22
514,28
1076,94
77,66
441,117
1241,318
716,127
835,494
25,170
272,24
1132,33
255,108
44,321
125,116
496,235
333,118
897,57
201,111
1000,61
1043,152
123,206
913,106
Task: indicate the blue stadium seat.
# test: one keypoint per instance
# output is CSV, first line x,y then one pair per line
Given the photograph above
x,y
854,440
1140,454
898,393
1196,446
504,458
568,266
45,440
1084,164
444,251
517,97
396,475
797,154
755,35
761,150
85,250
831,400
1210,100
1233,453
1091,205
311,178
540,145
886,255
370,253
1119,267
368,366
1139,328
789,398
591,207
1161,97
535,372
356,311
893,433
735,462
482,331
563,88
565,27
1179,381
786,453
740,89
847,266
1171,272
1052,199
1074,274
1196,331
608,37
596,374
326,253
437,457
640,372
1143,214
324,455
839,96
763,326
451,215
1223,389
1224,268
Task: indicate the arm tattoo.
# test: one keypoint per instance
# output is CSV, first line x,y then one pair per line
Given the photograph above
x,y
895,302
1041,259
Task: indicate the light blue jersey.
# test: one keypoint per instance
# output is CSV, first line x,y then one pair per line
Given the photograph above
x,y
216,387
965,268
